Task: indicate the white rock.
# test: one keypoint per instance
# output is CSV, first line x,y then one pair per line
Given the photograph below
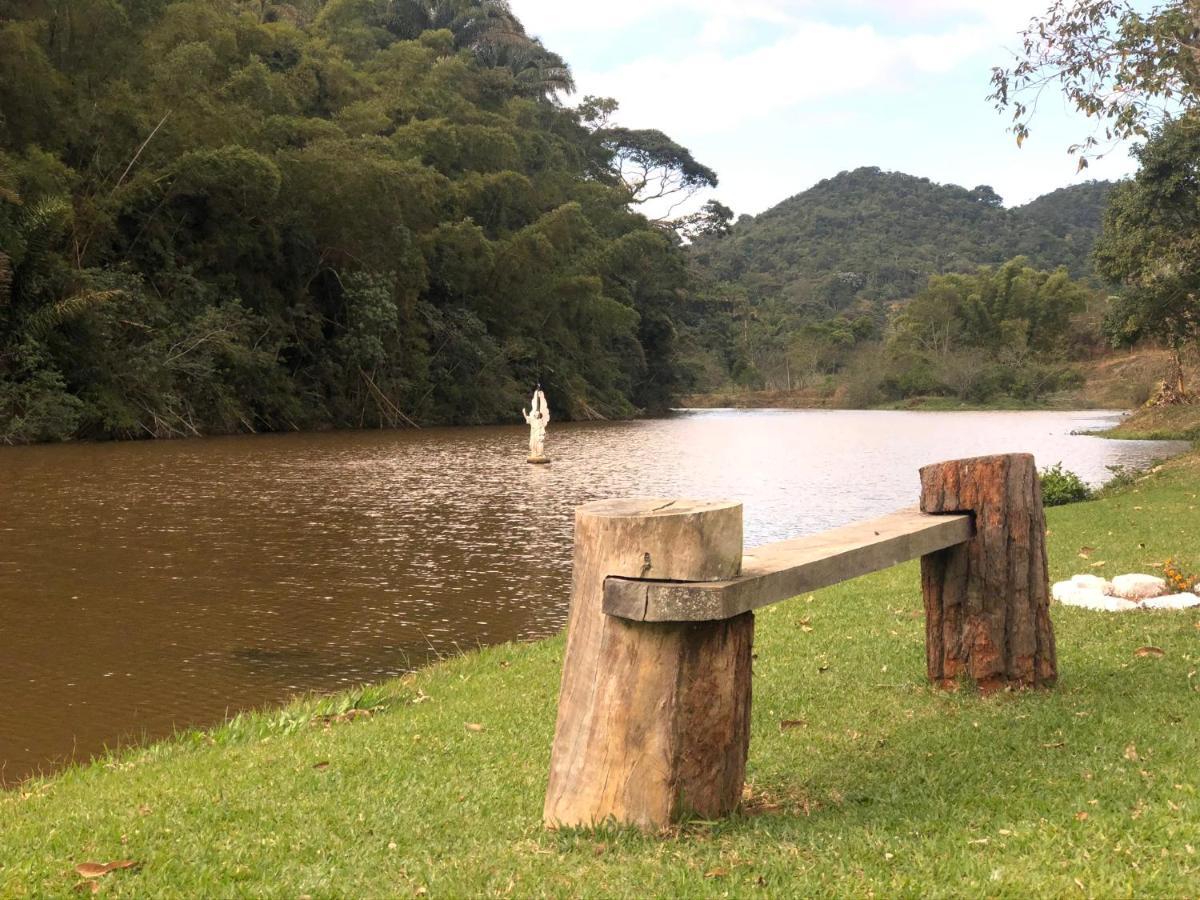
x,y
1138,587
1095,582
1090,598
1062,589
1172,601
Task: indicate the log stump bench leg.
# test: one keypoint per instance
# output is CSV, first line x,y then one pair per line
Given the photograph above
x,y
653,718
987,602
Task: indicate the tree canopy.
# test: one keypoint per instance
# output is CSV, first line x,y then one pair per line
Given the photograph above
x,y
223,215
1130,69
1151,244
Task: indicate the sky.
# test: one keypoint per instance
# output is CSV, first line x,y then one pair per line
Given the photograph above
x,y
776,95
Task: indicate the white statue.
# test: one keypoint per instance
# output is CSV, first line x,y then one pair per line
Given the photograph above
x,y
537,417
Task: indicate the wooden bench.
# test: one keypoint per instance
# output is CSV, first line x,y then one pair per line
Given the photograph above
x,y
654,708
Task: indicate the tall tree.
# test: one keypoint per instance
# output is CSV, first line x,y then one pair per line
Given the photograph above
x,y
1151,245
1130,69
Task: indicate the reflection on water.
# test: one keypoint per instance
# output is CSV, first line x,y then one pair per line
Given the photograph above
x,y
149,586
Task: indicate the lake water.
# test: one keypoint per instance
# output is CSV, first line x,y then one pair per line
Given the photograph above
x,y
146,587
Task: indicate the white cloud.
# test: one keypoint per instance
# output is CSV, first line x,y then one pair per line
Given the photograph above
x,y
708,92
777,94
561,16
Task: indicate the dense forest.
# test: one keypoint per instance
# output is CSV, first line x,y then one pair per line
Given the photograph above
x,y
877,235
223,215
821,291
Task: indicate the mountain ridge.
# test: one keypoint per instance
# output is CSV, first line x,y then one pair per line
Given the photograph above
x,y
868,234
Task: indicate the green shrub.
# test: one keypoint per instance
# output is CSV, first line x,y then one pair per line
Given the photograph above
x,y
1061,486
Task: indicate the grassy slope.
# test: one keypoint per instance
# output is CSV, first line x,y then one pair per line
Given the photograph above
x,y
1160,423
885,786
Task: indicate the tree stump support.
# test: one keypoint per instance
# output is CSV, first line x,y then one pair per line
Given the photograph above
x,y
653,718
987,601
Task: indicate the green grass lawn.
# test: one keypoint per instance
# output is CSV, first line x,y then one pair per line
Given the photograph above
x,y
876,784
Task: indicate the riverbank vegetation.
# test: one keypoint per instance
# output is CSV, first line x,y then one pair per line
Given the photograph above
x,y
873,288
861,778
240,216
1123,380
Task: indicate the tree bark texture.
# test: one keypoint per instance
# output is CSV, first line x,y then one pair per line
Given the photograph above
x,y
653,718
987,602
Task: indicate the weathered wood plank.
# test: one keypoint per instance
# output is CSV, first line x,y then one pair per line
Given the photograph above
x,y
778,571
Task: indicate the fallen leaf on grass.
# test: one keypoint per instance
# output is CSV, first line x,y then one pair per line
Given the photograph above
x,y
323,764
474,726
716,873
1086,552
1080,816
95,870
785,724
1131,753
1097,565
979,841
1055,745
1149,651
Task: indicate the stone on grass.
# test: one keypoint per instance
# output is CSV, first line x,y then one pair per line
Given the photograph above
x,y
1070,594
1094,582
1061,589
1172,601
1138,587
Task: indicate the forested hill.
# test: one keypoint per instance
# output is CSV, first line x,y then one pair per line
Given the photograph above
x,y
870,235
225,215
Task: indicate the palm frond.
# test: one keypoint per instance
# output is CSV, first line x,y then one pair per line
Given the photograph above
x,y
54,315
42,222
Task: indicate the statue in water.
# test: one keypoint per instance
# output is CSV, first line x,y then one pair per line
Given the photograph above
x,y
537,417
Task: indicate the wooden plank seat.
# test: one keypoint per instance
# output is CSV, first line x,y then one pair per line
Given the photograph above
x,y
775,572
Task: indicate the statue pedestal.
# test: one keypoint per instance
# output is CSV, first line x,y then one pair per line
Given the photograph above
x,y
538,460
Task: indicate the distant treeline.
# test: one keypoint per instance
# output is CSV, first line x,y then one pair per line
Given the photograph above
x,y
874,286
223,216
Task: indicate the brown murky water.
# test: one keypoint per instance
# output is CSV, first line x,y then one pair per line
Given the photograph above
x,y
146,587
